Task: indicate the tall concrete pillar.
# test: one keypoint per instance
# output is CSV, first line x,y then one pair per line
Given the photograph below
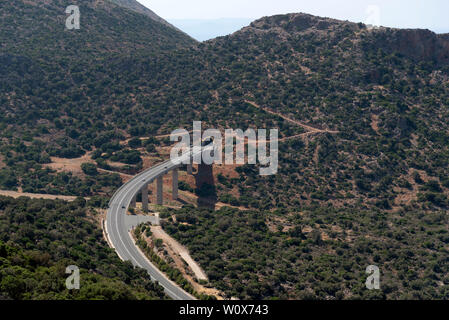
x,y
133,202
189,168
145,198
175,184
159,197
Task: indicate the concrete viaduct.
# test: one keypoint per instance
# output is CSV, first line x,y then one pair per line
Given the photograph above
x,y
118,227
159,187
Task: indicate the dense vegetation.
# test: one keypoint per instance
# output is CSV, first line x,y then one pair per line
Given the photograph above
x,y
388,103
318,253
39,239
381,177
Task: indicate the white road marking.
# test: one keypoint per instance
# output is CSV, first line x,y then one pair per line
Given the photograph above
x,y
130,188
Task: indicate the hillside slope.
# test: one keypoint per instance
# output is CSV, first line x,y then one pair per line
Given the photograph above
x,y
375,193
61,86
39,239
364,156
387,100
137,7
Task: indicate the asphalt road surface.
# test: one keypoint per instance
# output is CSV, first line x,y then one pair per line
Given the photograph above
x,y
118,232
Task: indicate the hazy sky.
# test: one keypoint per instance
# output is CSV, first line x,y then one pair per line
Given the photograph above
x,y
430,14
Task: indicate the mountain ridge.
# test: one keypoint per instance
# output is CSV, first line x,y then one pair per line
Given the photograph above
x,y
415,43
140,8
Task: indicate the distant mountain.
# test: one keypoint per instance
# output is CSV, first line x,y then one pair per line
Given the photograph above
x,y
206,29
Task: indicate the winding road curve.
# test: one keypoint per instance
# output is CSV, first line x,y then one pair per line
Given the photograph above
x,y
118,232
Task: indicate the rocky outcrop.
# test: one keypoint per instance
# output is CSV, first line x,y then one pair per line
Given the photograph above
x,y
297,22
416,44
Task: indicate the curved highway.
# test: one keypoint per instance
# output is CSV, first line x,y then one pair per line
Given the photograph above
x,y
119,235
